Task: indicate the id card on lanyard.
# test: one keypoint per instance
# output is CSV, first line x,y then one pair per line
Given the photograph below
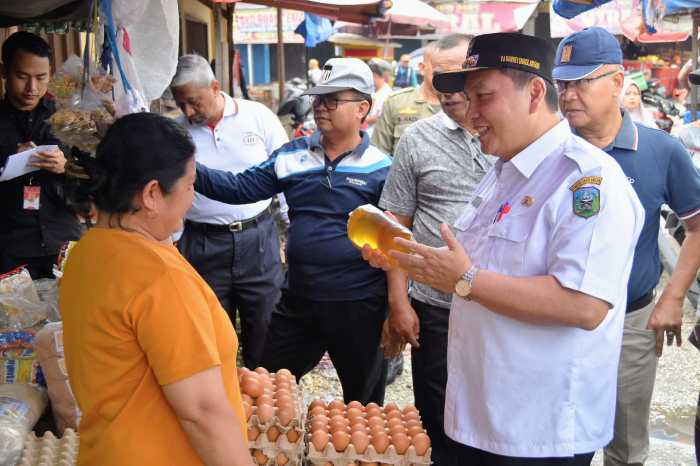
x,y
31,199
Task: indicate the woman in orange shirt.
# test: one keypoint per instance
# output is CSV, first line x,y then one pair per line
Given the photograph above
x,y
151,354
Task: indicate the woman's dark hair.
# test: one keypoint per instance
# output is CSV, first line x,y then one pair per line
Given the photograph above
x,y
136,150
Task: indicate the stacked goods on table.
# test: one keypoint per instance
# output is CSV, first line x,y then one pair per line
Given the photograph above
x,y
20,408
342,435
50,451
273,409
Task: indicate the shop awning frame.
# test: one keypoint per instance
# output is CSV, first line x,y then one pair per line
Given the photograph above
x,y
355,11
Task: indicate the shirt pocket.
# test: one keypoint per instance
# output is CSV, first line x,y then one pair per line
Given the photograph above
x,y
507,240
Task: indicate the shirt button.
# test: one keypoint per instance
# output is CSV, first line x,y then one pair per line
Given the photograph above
x,y
218,139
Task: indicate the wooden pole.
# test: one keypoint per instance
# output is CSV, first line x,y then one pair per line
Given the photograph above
x,y
280,55
231,45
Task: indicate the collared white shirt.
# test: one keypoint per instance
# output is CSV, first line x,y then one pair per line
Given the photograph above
x,y
246,136
526,390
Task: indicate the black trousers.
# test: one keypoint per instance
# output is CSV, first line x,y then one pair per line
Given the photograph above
x,y
302,330
462,455
245,271
429,369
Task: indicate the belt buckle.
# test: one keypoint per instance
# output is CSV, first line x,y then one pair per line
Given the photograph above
x,y
235,227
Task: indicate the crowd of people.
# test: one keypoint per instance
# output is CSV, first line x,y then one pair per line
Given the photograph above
x,y
532,186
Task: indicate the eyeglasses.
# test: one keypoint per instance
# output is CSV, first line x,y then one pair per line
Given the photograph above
x,y
580,84
331,103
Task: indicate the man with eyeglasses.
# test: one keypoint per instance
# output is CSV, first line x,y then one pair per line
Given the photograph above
x,y
589,77
333,300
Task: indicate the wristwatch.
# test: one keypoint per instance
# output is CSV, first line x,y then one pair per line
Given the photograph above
x,y
463,288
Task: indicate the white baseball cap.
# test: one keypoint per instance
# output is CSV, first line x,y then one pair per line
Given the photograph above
x,y
343,74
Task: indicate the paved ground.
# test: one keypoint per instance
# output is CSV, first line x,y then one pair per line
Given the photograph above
x,y
673,405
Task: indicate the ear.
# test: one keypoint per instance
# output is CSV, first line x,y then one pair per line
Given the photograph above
x,y
538,93
216,86
363,109
150,196
618,83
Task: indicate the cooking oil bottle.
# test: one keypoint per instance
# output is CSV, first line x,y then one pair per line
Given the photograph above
x,y
369,225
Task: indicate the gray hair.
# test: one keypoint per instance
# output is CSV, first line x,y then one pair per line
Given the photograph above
x,y
193,69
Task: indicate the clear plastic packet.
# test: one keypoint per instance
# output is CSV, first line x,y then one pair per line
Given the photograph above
x,y
85,110
20,408
20,305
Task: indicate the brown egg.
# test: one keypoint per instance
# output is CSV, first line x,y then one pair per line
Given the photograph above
x,y
368,464
335,412
282,386
248,410
285,414
320,439
380,442
378,430
397,430
281,459
247,399
374,412
372,405
375,421
412,416
260,457
286,373
394,422
319,425
355,404
422,443
360,440
341,440
353,413
284,400
293,436
400,442
262,370
358,421
315,403
336,404
410,409
253,433
252,387
265,413
412,422
317,410
358,428
415,430
272,433
393,415
390,407
264,399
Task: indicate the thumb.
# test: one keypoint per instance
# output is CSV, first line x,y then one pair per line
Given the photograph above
x,y
449,238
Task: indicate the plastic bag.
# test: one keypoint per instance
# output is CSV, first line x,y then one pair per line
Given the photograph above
x,y
20,305
84,112
20,409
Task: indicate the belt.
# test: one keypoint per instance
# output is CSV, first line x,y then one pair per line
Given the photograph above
x,y
642,301
233,227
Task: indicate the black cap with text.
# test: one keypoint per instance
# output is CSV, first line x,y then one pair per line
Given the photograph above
x,y
500,50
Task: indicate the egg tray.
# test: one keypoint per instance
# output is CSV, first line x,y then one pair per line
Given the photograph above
x,y
390,456
49,450
282,443
293,459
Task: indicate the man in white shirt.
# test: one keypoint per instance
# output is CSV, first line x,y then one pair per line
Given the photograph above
x,y
538,269
380,69
234,247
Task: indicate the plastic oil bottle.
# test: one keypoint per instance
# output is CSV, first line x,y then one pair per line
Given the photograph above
x,y
369,225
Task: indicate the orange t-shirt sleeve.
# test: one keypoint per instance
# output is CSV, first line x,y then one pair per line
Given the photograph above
x,y
174,326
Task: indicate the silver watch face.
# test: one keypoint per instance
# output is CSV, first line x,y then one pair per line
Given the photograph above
x,y
462,288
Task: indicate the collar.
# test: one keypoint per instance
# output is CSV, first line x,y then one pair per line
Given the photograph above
x,y
46,103
449,122
230,105
315,143
527,161
628,136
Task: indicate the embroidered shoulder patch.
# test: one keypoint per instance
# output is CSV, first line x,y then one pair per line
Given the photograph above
x,y
586,180
586,201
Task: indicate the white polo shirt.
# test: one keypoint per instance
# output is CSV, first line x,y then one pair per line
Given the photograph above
x,y
246,136
525,390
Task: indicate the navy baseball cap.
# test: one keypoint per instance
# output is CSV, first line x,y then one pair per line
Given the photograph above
x,y
496,51
583,52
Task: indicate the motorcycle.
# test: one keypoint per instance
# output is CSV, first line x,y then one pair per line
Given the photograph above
x,y
295,110
666,110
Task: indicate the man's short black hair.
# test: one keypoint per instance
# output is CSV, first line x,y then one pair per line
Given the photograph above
x,y
27,42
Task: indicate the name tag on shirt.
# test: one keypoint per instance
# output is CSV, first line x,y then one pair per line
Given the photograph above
x,y
32,198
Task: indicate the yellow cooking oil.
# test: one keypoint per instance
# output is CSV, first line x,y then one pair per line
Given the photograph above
x,y
369,225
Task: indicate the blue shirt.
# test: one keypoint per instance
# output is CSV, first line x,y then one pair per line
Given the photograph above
x,y
323,263
661,172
